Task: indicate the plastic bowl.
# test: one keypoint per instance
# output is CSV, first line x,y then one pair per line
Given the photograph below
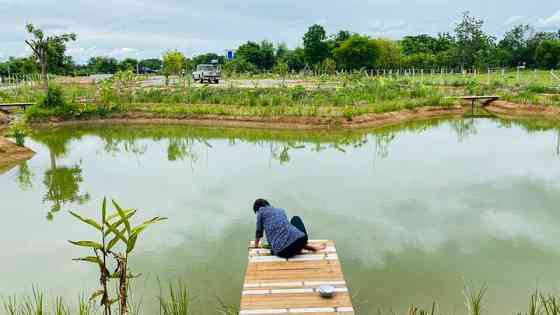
x,y
326,291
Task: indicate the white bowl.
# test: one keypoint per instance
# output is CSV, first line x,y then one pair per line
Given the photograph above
x,y
326,291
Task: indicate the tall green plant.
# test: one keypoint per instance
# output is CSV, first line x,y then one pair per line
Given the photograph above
x,y
177,302
116,232
473,300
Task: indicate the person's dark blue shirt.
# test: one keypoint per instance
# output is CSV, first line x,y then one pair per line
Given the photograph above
x,y
280,233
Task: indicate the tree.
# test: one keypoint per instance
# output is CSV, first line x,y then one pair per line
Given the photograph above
x,y
314,45
296,59
281,68
150,65
473,44
337,39
388,54
173,64
356,52
207,58
42,46
18,66
58,61
282,52
129,64
260,55
514,46
547,54
100,64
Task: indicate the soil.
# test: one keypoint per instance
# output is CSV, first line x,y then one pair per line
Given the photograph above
x,y
364,121
11,154
512,110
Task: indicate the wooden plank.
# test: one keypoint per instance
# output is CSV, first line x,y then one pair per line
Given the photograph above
x,y
278,286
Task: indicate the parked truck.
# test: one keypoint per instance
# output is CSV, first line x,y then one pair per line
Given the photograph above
x,y
209,72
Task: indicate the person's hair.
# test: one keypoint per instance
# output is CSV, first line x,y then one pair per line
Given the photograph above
x,y
259,203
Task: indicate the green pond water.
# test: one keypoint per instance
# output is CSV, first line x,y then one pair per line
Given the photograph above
x,y
416,210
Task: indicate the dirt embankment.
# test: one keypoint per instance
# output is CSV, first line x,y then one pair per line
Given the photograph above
x,y
513,110
3,119
282,122
10,153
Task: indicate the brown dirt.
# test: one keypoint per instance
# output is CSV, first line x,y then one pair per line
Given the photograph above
x,y
512,110
10,153
364,121
3,119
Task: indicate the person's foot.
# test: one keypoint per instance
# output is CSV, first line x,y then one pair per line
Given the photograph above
x,y
318,247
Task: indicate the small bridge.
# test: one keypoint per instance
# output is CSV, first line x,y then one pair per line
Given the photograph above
x,y
483,99
7,107
275,285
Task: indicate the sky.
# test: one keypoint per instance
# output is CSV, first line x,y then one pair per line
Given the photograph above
x,y
147,28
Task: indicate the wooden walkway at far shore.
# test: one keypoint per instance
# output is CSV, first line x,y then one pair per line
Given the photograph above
x,y
5,107
275,285
484,99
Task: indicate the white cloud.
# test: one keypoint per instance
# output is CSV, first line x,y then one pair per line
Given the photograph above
x,y
551,21
151,27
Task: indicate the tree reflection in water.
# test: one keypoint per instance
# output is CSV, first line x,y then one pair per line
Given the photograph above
x,y
184,143
62,183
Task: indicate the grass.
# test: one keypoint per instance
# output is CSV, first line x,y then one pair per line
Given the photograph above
x,y
176,302
342,96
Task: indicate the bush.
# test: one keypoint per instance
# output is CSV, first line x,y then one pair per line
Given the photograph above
x,y
53,98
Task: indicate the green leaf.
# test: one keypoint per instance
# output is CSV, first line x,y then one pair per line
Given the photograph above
x,y
129,214
123,216
87,244
104,210
143,226
131,243
117,233
114,241
91,259
117,215
88,221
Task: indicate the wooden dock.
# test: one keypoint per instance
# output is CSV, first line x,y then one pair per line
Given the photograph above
x,y
278,286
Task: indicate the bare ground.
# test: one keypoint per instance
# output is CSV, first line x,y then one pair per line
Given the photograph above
x,y
11,154
364,121
512,110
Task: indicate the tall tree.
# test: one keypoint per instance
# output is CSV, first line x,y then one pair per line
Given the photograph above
x,y
101,64
314,45
473,44
514,45
356,52
548,54
42,45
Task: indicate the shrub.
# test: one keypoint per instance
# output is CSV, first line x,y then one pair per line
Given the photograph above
x,y
53,98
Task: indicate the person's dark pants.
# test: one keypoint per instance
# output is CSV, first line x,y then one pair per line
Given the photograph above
x,y
296,247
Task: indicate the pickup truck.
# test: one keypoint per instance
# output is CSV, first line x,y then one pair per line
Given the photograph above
x,y
207,72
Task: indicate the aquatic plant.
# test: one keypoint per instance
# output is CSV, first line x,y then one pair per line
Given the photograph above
x,y
177,301
18,129
474,299
115,229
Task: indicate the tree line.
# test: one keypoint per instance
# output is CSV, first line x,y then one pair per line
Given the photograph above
x,y
467,47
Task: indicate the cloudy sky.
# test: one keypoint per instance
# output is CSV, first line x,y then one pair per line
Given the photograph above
x,y
146,28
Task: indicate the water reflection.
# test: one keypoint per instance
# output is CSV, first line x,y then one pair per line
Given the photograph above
x,y
62,183
183,143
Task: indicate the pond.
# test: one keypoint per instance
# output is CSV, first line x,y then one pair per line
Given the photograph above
x,y
418,211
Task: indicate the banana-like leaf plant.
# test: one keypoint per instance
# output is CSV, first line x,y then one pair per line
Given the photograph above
x,y
118,238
